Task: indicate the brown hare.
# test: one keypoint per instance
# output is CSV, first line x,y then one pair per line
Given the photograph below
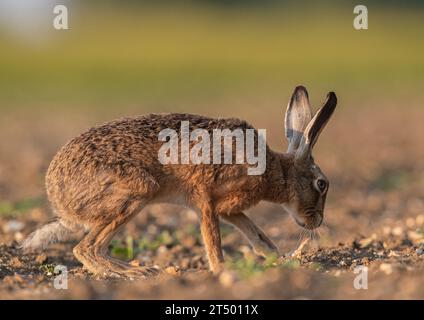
x,y
101,179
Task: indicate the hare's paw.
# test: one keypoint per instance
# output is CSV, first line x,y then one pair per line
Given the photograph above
x,y
118,271
263,246
141,272
265,249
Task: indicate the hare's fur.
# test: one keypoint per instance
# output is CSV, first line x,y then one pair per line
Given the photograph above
x,y
104,177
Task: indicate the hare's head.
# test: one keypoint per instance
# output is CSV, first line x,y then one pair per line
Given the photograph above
x,y
308,186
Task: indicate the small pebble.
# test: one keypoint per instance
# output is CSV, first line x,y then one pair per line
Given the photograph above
x,y
365,242
414,235
162,249
387,230
397,231
16,263
410,222
393,254
420,251
386,268
189,241
173,271
18,236
365,261
41,258
420,219
13,280
227,278
13,226
134,263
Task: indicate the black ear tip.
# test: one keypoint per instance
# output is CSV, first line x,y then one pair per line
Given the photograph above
x,y
332,97
300,88
300,91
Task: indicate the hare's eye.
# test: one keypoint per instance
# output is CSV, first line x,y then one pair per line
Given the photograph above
x,y
321,185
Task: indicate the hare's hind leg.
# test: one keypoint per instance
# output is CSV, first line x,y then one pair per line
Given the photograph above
x,y
261,244
92,251
125,200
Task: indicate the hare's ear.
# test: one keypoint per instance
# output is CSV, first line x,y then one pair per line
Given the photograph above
x,y
298,115
315,126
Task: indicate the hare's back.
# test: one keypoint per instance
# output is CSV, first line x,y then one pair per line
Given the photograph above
x,y
132,140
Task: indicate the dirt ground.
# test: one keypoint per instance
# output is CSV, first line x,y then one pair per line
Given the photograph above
x,y
374,217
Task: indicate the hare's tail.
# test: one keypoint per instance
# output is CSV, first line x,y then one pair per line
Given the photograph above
x,y
53,232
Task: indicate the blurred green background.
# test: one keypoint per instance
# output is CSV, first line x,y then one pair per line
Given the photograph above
x,y
188,55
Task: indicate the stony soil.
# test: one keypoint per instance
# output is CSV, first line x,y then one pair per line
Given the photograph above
x,y
374,218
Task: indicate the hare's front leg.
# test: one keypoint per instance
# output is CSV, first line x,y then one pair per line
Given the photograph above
x,y
209,227
261,244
